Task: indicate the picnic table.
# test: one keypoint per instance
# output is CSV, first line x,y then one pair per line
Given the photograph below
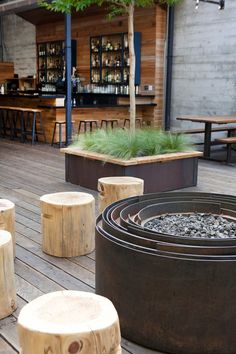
x,y
208,120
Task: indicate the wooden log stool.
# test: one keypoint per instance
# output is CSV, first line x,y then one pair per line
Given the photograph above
x,y
68,223
7,280
7,219
69,322
112,189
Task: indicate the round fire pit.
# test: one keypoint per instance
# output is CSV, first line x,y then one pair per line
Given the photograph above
x,y
173,293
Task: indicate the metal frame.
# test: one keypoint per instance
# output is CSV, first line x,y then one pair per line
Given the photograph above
x,y
220,3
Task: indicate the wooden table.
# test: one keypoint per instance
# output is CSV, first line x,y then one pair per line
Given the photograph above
x,y
208,120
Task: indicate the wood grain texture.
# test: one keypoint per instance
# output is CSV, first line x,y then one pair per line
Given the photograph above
x,y
230,140
7,281
94,23
6,71
69,322
134,160
7,219
112,189
68,223
44,173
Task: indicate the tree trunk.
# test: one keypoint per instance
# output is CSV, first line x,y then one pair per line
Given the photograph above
x,y
7,278
68,223
132,67
69,322
7,219
115,188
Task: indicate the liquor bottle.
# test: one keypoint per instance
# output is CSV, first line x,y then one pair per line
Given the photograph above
x,y
125,75
126,44
109,76
117,61
94,61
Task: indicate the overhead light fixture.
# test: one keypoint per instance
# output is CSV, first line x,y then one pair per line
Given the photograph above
x,y
220,3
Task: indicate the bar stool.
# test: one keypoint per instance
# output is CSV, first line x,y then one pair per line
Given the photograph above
x,y
108,122
30,123
59,124
2,123
137,121
83,124
17,123
7,121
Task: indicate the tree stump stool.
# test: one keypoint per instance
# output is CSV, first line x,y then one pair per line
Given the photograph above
x,y
68,223
7,219
112,189
69,322
7,279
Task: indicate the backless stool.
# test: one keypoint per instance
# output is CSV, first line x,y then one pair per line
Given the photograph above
x,y
87,125
7,276
69,322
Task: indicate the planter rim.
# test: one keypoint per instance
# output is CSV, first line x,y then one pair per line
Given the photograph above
x,y
134,161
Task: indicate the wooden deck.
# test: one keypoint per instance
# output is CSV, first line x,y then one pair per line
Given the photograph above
x,y
28,172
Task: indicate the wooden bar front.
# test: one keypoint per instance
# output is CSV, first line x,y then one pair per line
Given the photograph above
x,y
93,22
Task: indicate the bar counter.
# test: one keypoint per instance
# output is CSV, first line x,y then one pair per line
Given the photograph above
x,y
85,106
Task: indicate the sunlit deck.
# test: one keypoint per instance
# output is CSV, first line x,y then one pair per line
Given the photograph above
x,y
28,172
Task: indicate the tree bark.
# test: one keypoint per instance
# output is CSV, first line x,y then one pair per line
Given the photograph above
x,y
132,67
112,189
7,219
7,277
68,223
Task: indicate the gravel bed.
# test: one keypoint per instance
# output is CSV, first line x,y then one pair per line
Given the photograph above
x,y
200,225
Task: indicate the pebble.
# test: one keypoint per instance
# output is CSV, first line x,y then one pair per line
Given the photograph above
x,y
194,225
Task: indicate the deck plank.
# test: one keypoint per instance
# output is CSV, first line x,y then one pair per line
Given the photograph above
x,y
26,173
5,348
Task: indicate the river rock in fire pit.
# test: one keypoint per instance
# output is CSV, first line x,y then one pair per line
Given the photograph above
x,y
196,225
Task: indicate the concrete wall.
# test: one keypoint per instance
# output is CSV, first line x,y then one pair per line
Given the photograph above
x,y
19,44
204,70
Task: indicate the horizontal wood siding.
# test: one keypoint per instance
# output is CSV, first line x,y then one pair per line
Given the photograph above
x,y
151,22
6,71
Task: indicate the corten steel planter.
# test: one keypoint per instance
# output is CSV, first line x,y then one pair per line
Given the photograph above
x,y
160,173
173,294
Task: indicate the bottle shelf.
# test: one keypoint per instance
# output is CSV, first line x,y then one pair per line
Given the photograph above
x,y
112,67
112,51
106,51
51,61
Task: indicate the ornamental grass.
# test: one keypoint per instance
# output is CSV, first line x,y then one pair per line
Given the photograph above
x,y
122,144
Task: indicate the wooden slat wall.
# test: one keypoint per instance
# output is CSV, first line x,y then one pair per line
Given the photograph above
x,y
49,114
6,71
159,65
52,114
151,22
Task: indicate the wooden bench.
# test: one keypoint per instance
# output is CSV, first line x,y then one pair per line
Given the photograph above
x,y
228,141
202,131
27,124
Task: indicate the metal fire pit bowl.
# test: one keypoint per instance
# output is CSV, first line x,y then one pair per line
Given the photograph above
x,y
173,294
